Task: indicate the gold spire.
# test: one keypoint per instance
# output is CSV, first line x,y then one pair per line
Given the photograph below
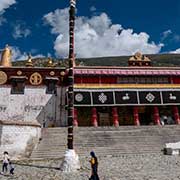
x,y
29,62
50,63
139,60
6,57
139,57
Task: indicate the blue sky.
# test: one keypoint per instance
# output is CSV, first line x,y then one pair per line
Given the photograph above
x,y
103,28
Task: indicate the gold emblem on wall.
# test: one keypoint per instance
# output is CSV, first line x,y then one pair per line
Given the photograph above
x,y
19,73
36,79
52,73
3,77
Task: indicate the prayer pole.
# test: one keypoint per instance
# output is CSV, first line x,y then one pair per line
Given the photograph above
x,y
71,74
71,160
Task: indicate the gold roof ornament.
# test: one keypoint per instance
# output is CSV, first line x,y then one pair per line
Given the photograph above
x,y
6,57
139,60
146,58
139,57
50,63
29,62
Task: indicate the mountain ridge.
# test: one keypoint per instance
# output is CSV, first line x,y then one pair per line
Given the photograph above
x,y
157,60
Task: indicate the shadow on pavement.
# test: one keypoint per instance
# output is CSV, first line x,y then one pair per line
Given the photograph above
x,y
38,166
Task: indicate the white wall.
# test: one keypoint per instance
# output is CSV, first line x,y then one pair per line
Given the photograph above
x,y
34,106
19,141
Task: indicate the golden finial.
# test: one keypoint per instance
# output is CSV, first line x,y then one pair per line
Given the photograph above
x,y
6,57
138,56
50,63
146,58
139,60
29,62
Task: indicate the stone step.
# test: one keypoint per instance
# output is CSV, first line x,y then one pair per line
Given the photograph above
x,y
97,150
107,140
95,146
98,153
104,146
107,135
114,140
111,132
114,128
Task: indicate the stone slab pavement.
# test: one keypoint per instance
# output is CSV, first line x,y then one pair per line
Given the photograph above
x,y
124,167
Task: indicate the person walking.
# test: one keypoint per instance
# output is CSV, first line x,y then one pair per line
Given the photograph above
x,y
5,162
11,168
94,167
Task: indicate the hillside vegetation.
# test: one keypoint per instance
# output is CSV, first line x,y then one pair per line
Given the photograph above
x,y
157,60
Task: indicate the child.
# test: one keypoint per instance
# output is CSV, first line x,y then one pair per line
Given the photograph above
x,y
11,168
5,162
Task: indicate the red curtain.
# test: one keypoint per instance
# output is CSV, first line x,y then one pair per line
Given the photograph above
x,y
90,79
176,80
108,80
77,80
96,79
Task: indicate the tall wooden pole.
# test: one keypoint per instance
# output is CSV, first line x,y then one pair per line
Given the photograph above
x,y
71,161
71,74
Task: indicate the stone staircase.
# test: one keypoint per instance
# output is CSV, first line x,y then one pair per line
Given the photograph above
x,y
107,140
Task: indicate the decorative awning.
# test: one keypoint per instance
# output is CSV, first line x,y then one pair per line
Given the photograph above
x,y
114,97
127,71
126,86
49,78
18,78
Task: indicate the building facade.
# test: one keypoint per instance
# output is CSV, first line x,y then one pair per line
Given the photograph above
x,y
139,94
32,98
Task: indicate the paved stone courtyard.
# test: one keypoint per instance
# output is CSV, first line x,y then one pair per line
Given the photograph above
x,y
124,167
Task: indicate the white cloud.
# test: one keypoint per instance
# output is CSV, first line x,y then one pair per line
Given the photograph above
x,y
18,55
176,38
177,51
92,8
4,4
165,34
2,20
20,31
97,36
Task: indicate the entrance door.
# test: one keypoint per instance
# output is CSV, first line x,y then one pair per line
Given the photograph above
x,y
104,119
145,115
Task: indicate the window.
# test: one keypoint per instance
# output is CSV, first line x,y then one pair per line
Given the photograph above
x,y
143,80
51,88
18,85
51,85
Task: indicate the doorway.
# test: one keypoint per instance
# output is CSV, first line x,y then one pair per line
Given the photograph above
x,y
145,115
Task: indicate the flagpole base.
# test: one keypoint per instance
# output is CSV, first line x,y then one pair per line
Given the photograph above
x,y
71,161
